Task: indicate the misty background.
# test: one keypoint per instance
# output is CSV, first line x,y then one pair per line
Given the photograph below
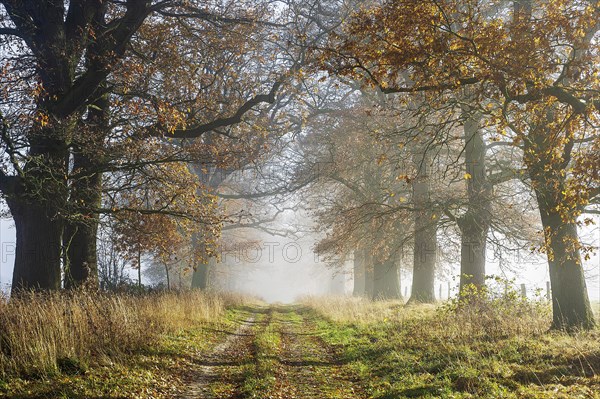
x,y
280,269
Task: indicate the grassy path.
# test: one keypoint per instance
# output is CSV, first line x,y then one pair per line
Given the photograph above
x,y
298,352
220,372
275,352
308,368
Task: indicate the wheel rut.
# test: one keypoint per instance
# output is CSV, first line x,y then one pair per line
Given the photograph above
x,y
220,373
309,368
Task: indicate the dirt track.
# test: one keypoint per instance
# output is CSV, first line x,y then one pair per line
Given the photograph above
x,y
304,366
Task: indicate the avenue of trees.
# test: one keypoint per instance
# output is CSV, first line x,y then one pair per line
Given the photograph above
x,y
416,133
523,74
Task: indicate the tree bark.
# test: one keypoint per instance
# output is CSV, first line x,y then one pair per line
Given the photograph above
x,y
201,274
359,273
38,248
36,204
139,268
472,252
571,308
168,276
425,235
386,280
201,266
82,230
369,274
475,223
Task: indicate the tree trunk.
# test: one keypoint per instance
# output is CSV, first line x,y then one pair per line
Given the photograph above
x,y
472,252
425,235
475,224
82,267
139,270
570,303
38,248
369,275
82,230
359,273
571,308
424,264
201,274
386,281
168,276
86,198
36,205
201,269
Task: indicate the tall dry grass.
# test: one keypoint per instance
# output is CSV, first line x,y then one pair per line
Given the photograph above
x,y
39,331
493,318
359,310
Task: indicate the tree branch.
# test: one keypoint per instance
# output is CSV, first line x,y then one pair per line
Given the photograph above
x,y
112,44
199,130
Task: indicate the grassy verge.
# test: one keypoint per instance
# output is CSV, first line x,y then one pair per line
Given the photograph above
x,y
84,345
499,349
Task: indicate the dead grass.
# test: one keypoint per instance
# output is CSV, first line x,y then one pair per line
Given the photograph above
x,y
42,334
363,311
498,317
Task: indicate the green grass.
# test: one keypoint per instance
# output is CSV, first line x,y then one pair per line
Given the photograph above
x,y
292,360
450,353
260,377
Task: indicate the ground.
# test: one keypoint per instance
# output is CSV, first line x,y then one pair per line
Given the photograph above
x,y
366,351
274,352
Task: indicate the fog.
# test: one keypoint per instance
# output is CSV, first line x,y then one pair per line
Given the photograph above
x,y
278,263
